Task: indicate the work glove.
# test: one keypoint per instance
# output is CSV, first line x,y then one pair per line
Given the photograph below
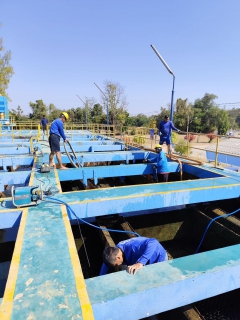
x,y
178,131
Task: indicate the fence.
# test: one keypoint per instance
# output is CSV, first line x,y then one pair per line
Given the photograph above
x,y
214,148
196,146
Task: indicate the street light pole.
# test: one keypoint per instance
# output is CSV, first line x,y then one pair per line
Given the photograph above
x,y
170,71
85,104
106,99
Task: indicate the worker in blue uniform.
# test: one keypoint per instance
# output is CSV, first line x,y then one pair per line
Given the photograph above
x,y
56,132
162,169
44,122
133,253
151,132
165,131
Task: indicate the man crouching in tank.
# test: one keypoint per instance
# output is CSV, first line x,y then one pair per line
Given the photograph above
x,y
134,254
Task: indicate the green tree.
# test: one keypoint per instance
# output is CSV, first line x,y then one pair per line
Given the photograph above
x,y
89,103
130,121
80,115
184,115
234,118
223,122
6,70
53,112
206,110
97,113
116,100
38,110
71,113
152,122
121,118
51,108
196,123
141,120
18,114
19,111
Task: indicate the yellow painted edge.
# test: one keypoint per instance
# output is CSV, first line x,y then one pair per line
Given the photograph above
x,y
126,187
151,194
7,302
11,210
134,196
32,174
131,196
57,180
87,312
86,307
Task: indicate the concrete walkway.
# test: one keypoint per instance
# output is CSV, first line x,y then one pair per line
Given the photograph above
x,y
45,279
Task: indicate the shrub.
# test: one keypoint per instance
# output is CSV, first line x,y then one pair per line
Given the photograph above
x,y
174,137
127,139
139,139
191,137
181,147
211,136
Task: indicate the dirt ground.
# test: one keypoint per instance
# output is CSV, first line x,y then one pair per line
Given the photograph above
x,y
201,143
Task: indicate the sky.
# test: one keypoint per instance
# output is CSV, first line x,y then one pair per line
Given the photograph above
x,y
61,47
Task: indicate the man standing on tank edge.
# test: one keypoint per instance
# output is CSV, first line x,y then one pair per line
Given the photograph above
x,y
165,131
56,131
44,122
134,253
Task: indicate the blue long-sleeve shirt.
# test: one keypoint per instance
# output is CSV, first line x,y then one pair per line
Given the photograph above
x,y
140,249
57,128
44,122
166,128
161,160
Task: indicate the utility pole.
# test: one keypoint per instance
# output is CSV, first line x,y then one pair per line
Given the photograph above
x,y
170,71
86,107
106,99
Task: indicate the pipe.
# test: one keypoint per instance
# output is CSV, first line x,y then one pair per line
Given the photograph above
x,y
216,155
179,162
195,162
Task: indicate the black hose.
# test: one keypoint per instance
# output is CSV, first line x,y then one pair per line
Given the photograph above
x,y
75,164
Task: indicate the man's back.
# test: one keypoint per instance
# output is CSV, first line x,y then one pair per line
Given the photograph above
x,y
141,249
44,121
57,128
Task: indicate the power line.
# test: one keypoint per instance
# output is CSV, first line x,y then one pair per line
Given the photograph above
x,y
136,114
227,103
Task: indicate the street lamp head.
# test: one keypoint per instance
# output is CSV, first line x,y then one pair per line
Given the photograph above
x,y
100,90
170,71
161,58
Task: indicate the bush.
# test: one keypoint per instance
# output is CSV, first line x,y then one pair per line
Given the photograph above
x,y
211,136
139,139
191,137
127,139
181,147
174,137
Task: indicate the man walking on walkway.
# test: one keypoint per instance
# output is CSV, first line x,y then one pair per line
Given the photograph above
x,y
44,122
